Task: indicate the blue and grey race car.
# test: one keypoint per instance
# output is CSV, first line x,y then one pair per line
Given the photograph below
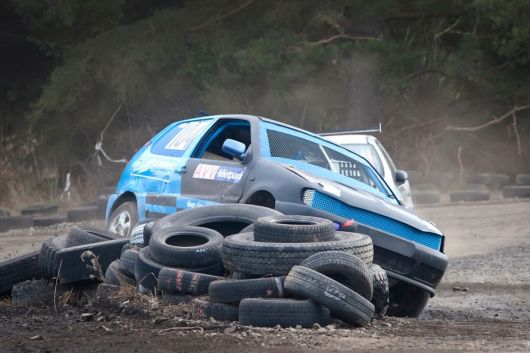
x,y
253,160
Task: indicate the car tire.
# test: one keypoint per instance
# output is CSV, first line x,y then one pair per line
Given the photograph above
x,y
47,221
89,261
380,296
36,292
148,232
227,219
44,209
147,270
84,213
233,291
241,253
88,235
492,179
127,261
177,281
15,222
186,247
19,269
123,219
217,311
114,276
293,229
516,191
467,195
422,197
101,204
407,300
284,312
522,179
344,268
343,302
48,262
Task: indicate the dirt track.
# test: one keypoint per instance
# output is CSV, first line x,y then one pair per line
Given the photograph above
x,y
482,305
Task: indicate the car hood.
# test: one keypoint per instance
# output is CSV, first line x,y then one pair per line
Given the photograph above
x,y
363,199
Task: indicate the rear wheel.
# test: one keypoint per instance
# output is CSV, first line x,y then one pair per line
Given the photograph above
x,y
123,219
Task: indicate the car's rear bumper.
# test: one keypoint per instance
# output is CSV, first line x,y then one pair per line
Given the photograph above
x,y
403,259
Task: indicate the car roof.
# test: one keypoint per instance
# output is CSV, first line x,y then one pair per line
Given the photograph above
x,y
343,139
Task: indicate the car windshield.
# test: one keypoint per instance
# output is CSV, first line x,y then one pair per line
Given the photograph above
x,y
369,153
325,155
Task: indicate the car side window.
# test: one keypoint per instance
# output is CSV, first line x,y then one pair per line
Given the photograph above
x,y
211,145
175,141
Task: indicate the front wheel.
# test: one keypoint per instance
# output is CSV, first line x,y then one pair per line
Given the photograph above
x,y
123,219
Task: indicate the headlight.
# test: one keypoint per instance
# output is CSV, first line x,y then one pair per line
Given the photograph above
x,y
308,196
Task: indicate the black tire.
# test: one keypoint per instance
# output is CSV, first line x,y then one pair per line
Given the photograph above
x,y
344,268
283,312
84,213
217,311
15,222
407,300
422,197
101,204
45,209
114,276
88,262
38,292
146,270
47,221
469,195
184,282
522,179
343,302
130,212
227,219
242,254
186,247
18,269
233,291
381,291
48,262
492,179
88,235
515,191
293,229
127,261
148,231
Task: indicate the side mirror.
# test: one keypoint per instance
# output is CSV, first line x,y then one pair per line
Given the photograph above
x,y
401,176
234,148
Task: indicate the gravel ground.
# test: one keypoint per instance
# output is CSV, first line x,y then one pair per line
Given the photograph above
x,y
482,305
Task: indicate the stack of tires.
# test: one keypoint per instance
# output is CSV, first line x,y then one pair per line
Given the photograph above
x,y
277,270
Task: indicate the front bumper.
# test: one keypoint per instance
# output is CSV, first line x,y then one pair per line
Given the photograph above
x,y
402,259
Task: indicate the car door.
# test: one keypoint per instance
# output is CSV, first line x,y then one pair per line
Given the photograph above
x,y
163,163
211,176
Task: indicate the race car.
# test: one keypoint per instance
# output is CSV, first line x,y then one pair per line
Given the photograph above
x,y
253,160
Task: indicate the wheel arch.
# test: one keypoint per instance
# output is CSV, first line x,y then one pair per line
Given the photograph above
x,y
126,196
261,198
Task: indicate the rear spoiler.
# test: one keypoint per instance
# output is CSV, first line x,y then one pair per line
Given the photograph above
x,y
378,129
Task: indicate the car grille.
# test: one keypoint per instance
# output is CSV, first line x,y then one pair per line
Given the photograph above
x,y
329,204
